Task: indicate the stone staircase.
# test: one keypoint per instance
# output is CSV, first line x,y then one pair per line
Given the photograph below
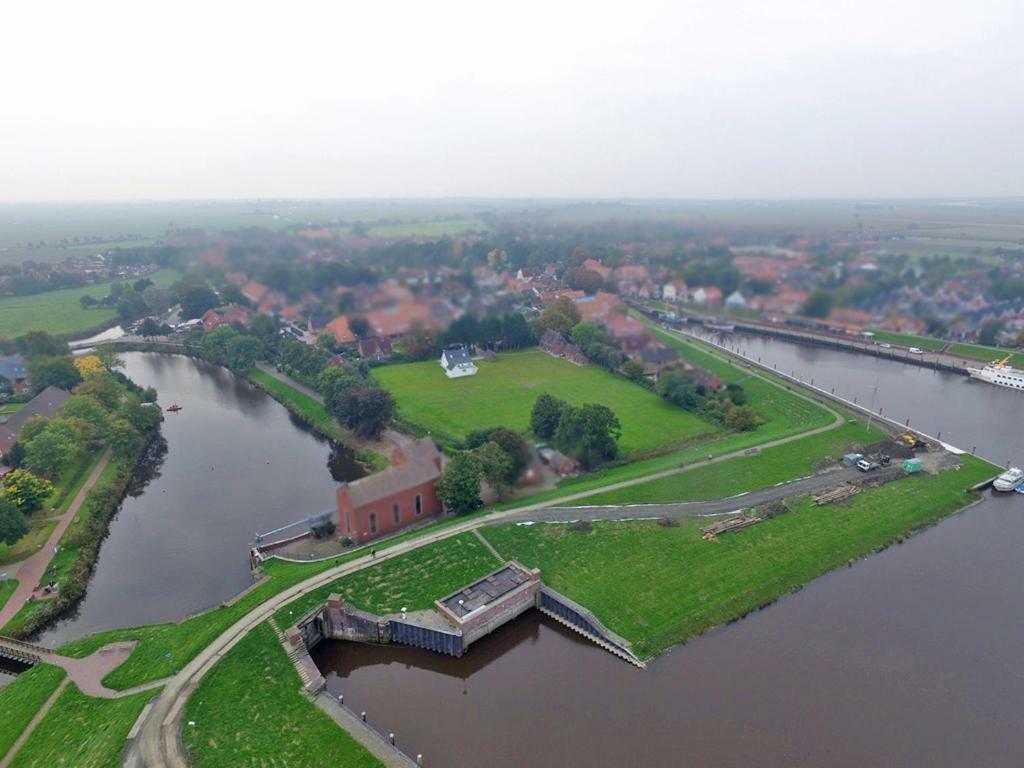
x,y
312,680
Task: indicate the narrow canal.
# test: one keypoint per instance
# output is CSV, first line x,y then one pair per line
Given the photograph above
x,y
910,657
235,462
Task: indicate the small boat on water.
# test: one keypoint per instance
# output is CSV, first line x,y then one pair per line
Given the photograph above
x,y
174,408
1010,480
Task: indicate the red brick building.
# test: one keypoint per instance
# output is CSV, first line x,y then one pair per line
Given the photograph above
x,y
386,501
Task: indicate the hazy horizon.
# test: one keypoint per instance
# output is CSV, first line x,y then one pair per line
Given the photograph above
x,y
699,101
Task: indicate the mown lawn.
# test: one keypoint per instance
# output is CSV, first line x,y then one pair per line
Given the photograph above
x,y
502,394
249,711
22,698
60,312
82,731
772,465
413,580
658,586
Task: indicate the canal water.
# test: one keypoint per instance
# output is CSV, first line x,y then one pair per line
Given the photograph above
x,y
910,657
234,462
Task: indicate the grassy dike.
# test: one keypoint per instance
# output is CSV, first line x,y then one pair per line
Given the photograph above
x,y
82,731
22,698
249,711
778,464
659,586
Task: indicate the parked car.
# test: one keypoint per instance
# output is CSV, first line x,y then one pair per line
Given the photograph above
x,y
915,351
885,345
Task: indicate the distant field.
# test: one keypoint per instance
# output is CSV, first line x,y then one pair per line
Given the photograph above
x,y
429,228
502,394
60,312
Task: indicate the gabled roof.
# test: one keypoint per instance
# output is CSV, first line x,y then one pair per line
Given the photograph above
x,y
413,464
12,367
456,356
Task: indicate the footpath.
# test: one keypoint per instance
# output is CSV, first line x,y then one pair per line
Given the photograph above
x,y
32,569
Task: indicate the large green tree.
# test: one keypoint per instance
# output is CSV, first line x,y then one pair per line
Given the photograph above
x,y
459,484
52,450
546,413
54,372
12,522
589,434
499,470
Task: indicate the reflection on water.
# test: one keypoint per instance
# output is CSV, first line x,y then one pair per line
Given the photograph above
x,y
232,463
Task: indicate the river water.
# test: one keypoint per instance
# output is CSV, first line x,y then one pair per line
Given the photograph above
x,y
908,658
235,462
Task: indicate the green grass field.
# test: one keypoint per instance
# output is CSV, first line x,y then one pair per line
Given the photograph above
x,y
658,586
81,731
413,580
502,394
59,312
772,465
249,711
22,698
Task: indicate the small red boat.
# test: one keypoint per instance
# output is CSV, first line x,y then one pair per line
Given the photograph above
x,y
174,408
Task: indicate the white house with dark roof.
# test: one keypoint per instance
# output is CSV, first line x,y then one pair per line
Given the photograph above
x,y
457,362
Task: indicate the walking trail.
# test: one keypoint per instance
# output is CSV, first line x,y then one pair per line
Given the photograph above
x,y
32,569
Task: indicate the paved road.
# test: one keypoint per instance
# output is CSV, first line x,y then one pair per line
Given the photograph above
x,y
802,487
158,741
31,570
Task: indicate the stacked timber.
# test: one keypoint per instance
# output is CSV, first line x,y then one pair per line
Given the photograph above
x,y
732,524
836,495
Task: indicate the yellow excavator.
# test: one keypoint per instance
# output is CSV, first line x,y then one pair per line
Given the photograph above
x,y
913,441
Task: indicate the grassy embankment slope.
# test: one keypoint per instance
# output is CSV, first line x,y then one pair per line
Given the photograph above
x,y
773,465
22,698
659,586
502,394
60,312
413,581
82,731
249,710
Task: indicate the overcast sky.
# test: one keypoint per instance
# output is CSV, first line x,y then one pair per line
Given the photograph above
x,y
716,99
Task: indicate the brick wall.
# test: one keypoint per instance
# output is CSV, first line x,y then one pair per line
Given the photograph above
x,y
357,524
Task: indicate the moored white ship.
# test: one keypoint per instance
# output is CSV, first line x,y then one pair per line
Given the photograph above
x,y
1010,480
1000,374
